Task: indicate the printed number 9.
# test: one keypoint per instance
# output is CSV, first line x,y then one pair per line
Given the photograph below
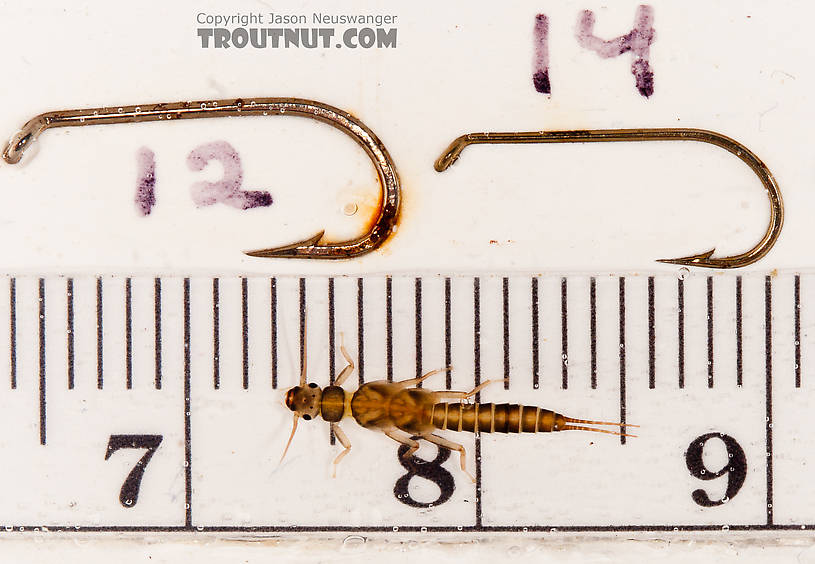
x,y
735,468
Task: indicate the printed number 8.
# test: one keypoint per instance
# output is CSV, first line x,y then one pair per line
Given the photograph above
x,y
429,470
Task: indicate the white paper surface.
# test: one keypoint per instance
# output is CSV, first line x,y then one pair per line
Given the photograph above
x,y
455,69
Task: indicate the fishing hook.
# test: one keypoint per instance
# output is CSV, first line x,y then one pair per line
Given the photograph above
x,y
312,247
705,259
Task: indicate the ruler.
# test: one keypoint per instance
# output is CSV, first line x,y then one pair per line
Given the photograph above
x,y
154,404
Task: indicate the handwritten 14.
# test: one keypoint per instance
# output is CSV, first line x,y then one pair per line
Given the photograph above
x,y
637,42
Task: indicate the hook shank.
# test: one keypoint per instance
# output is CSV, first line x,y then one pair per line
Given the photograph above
x,y
452,153
309,248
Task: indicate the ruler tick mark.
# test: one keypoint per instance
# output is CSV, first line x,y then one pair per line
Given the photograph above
x,y
651,335
593,330
622,360
332,365
768,350
537,528
100,345
709,331
216,334
128,334
680,325
389,327
477,382
564,329
448,331
187,427
418,327
360,332
535,350
797,334
157,330
273,322
42,358
69,290
13,332
245,330
302,324
739,349
505,291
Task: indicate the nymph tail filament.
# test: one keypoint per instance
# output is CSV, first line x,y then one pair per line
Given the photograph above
x,y
590,422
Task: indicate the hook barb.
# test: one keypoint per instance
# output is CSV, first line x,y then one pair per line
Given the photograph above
x,y
704,260
299,248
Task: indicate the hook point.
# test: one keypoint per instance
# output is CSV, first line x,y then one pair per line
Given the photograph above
x,y
292,250
702,259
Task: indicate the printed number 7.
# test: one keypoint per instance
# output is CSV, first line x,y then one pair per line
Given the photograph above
x,y
130,489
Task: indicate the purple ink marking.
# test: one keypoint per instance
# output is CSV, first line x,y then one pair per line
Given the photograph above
x,y
638,41
540,76
228,189
146,185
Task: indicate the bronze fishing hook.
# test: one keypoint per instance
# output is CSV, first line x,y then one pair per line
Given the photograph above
x,y
312,247
705,259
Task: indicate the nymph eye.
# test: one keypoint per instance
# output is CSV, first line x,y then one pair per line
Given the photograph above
x,y
312,385
307,417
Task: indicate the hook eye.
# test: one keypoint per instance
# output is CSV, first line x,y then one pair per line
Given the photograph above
x,y
382,225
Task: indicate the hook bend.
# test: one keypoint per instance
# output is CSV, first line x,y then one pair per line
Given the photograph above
x,y
706,259
313,247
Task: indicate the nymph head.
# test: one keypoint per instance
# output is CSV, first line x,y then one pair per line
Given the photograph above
x,y
304,401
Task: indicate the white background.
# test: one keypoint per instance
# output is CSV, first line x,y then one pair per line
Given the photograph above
x,y
736,71
741,70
